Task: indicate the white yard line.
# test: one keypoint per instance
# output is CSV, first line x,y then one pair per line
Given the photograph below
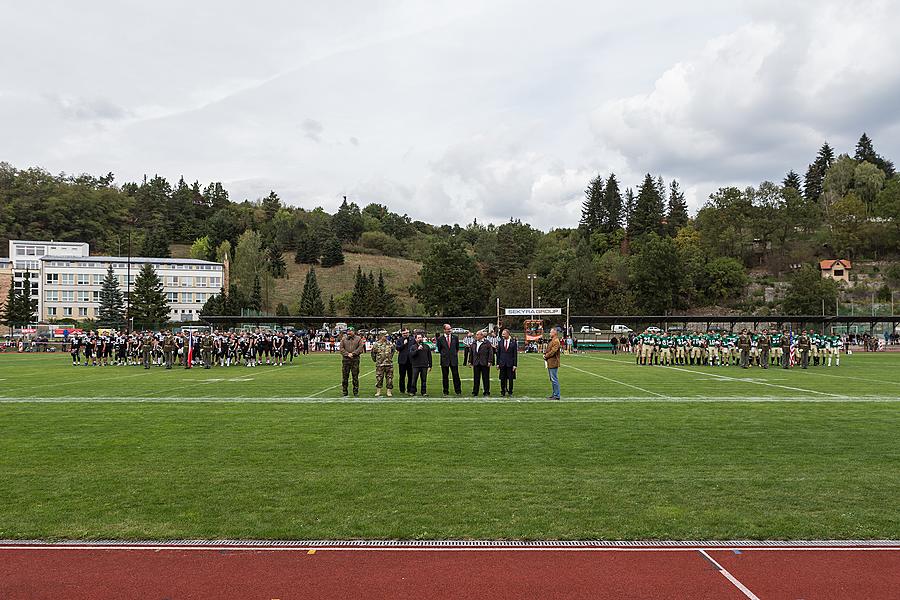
x,y
727,378
349,383
730,577
815,372
440,400
72,382
616,381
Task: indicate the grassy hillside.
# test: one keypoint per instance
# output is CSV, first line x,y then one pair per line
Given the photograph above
x,y
399,274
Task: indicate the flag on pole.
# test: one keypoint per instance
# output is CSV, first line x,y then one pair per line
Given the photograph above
x,y
190,349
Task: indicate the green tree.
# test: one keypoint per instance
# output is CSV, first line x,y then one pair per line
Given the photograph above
x,y
308,251
332,253
256,302
148,304
611,214
791,180
387,301
677,215
332,311
223,252
201,249
249,261
807,290
865,152
276,264
348,222
592,207
450,284
868,180
12,308
311,304
815,174
724,279
282,310
156,241
647,216
658,275
111,312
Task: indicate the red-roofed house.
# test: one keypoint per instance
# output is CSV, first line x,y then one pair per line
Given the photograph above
x,y
838,270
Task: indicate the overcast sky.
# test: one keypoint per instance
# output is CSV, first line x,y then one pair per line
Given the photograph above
x,y
450,109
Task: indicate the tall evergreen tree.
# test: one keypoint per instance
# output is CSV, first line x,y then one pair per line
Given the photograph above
x,y
387,300
308,251
332,310
148,304
347,222
865,152
277,266
815,175
156,242
612,205
361,298
628,208
677,215
28,304
256,295
791,180
592,207
311,304
12,314
111,312
648,209
282,310
332,254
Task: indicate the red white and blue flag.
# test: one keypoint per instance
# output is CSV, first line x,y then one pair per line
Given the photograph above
x,y
190,349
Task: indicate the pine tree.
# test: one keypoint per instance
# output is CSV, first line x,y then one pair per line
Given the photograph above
x,y
612,205
647,215
332,311
865,151
373,302
386,299
281,310
332,254
156,242
277,267
791,180
311,299
27,304
308,251
11,313
628,208
359,299
256,295
677,215
148,303
111,312
815,174
347,222
592,207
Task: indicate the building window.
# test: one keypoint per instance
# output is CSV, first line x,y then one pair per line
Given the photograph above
x,y
187,297
52,278
67,311
172,296
51,311
84,296
838,272
67,278
96,279
95,296
82,311
84,279
68,296
52,296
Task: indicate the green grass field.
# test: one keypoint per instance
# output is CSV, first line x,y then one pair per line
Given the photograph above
x,y
630,453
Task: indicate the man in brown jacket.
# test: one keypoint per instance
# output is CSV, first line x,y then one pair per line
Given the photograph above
x,y
352,346
551,359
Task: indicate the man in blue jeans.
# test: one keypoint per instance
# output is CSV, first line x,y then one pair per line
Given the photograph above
x,y
551,359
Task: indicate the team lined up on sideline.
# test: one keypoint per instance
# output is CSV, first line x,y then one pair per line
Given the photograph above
x,y
760,349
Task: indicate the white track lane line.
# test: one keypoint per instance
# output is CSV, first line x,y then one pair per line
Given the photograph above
x,y
328,389
727,378
616,381
730,577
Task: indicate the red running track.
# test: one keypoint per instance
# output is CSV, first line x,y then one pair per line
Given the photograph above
x,y
226,573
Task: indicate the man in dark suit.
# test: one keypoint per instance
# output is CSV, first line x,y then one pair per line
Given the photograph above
x,y
507,361
420,359
403,344
482,357
448,347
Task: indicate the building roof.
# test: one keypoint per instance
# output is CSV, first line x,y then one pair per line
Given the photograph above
x,y
48,242
827,265
134,260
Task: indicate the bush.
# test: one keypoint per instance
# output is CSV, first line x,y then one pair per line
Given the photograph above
x,y
384,243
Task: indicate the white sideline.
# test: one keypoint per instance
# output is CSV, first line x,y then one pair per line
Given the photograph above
x,y
440,400
730,577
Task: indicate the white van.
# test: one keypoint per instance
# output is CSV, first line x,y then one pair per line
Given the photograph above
x,y
621,329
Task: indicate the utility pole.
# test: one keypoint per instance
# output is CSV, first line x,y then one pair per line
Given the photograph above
x,y
531,278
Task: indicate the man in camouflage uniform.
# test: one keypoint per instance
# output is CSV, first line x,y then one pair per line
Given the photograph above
x,y
146,348
206,346
744,347
803,345
763,343
383,355
169,349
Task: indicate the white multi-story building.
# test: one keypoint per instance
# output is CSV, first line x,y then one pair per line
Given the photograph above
x,y
66,280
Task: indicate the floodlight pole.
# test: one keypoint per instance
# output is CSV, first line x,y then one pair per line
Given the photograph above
x,y
531,278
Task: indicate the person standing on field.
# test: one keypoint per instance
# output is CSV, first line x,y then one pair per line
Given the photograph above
x,y
551,360
383,355
403,344
420,359
351,347
482,354
448,347
507,362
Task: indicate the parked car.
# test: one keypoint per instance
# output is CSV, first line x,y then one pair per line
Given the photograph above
x,y
621,329
654,330
459,331
589,329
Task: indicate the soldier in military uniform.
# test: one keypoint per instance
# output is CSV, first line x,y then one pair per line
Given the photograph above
x,y
763,342
206,345
146,348
169,349
383,355
803,345
744,348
